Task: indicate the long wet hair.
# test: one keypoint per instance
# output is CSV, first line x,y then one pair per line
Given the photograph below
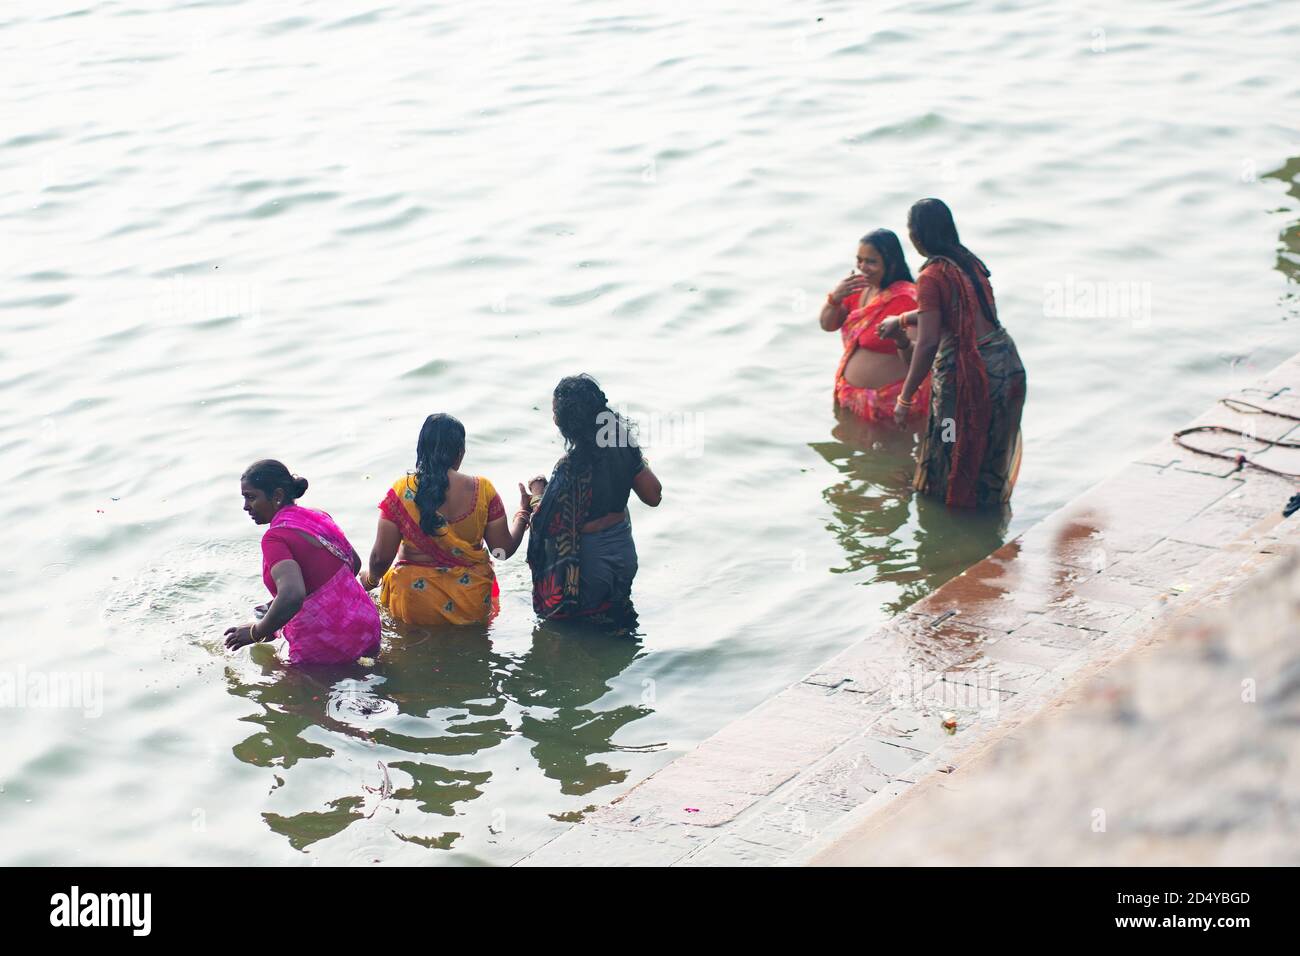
x,y
885,242
931,224
442,441
268,474
585,419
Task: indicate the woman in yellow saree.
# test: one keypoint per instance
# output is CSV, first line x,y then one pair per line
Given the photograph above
x,y
439,525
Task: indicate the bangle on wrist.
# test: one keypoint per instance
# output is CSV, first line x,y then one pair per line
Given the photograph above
x,y
905,403
252,634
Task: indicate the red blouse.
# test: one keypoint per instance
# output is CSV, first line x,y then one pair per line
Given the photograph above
x,y
862,327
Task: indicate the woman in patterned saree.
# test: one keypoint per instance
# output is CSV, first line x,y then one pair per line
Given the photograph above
x,y
581,551
970,453
439,524
871,370
310,569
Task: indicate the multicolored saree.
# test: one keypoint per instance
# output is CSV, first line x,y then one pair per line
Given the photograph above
x,y
338,622
970,453
457,585
860,330
554,540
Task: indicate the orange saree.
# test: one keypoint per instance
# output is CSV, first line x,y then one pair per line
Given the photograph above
x,y
457,585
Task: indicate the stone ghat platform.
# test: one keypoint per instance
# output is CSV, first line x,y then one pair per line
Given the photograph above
x,y
1182,753
805,774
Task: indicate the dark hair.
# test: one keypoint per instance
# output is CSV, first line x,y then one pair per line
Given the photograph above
x,y
442,440
934,231
582,412
886,243
268,474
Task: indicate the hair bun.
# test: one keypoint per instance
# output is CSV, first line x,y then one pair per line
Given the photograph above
x,y
299,486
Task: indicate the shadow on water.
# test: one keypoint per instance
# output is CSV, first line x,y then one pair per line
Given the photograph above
x,y
437,697
886,530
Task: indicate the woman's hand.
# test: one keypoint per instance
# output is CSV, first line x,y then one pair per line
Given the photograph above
x,y
901,412
366,580
241,636
892,329
525,498
848,285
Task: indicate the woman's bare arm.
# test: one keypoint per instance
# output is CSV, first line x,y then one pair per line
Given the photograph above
x,y
831,317
833,314
290,592
504,537
388,538
928,325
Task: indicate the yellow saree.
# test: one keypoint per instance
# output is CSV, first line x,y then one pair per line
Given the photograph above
x,y
457,585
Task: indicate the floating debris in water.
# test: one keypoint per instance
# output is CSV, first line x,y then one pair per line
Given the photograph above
x,y
350,701
383,791
385,788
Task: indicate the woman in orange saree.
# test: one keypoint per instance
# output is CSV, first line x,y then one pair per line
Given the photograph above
x,y
439,525
871,370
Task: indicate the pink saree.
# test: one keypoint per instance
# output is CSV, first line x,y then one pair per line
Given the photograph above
x,y
338,622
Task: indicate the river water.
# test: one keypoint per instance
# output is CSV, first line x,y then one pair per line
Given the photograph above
x,y
234,230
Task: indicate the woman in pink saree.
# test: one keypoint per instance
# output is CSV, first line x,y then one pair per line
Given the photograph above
x,y
318,606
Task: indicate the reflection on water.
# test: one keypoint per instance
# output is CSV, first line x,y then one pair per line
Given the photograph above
x,y
432,699
558,681
1288,253
888,531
